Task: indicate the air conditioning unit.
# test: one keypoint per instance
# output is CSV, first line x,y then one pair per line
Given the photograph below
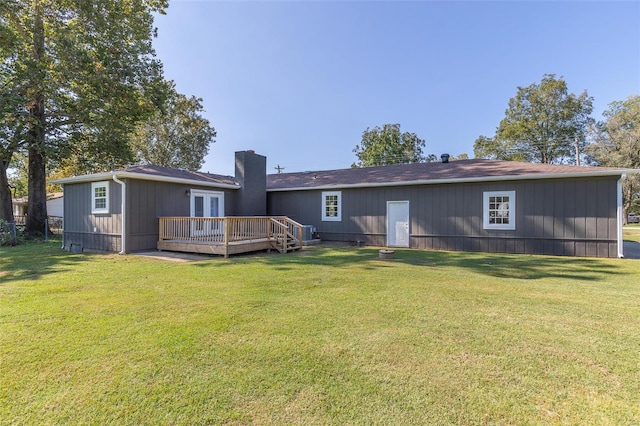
x,y
309,232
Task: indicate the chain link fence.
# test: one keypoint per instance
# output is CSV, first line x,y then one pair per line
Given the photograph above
x,y
9,231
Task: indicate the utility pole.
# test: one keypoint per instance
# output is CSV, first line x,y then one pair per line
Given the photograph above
x,y
279,169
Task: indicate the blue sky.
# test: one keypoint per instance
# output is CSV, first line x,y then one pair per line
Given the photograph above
x,y
299,81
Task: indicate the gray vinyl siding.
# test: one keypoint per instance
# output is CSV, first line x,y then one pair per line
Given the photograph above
x,y
146,202
149,200
85,231
559,217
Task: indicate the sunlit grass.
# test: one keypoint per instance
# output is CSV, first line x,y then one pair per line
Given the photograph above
x,y
631,232
326,336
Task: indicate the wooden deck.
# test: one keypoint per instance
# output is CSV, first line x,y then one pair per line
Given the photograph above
x,y
229,235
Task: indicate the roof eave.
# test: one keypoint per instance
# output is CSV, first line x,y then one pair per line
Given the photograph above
x,y
599,173
142,176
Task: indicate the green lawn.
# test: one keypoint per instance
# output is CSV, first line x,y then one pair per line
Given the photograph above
x,y
632,232
325,336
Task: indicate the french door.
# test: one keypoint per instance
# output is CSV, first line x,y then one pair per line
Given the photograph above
x,y
206,204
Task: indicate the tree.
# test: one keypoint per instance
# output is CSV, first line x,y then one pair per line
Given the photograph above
x,y
388,145
18,175
86,75
10,141
463,156
617,143
11,129
541,124
176,137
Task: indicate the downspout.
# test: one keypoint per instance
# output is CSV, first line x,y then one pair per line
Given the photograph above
x,y
620,218
123,215
64,208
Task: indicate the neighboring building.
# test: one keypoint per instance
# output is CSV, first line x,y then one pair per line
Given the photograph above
x,y
55,205
467,205
19,206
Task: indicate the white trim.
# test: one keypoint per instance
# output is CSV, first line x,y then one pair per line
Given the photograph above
x,y
455,180
101,210
142,176
511,226
338,217
620,219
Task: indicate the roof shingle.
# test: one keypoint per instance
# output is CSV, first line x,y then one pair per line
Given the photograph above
x,y
181,174
422,172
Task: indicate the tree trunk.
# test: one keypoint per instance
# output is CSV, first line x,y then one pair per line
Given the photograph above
x,y
36,222
6,208
37,208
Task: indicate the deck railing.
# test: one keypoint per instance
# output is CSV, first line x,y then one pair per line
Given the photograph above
x,y
285,233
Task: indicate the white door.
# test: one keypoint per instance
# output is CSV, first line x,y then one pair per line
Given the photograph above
x,y
398,223
206,204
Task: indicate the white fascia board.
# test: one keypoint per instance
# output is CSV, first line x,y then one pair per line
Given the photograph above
x,y
141,176
460,180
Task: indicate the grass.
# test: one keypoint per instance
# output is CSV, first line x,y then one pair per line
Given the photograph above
x,y
325,336
631,232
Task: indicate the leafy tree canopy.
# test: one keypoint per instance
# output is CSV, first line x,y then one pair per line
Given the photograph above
x,y
543,124
388,145
179,136
84,74
617,143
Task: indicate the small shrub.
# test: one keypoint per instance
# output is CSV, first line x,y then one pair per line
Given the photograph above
x,y
7,233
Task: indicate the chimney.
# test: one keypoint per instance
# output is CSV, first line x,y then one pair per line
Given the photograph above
x,y
251,174
445,158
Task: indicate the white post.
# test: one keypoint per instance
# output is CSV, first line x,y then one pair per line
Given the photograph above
x,y
620,218
123,206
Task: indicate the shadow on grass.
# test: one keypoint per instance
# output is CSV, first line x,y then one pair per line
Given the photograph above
x,y
32,260
525,267
518,266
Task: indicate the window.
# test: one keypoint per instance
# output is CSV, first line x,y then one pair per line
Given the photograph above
x,y
499,210
332,206
99,197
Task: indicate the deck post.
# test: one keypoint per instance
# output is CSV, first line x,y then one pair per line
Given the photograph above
x,y
225,227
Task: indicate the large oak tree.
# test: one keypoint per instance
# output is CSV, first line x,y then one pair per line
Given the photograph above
x,y
85,74
544,123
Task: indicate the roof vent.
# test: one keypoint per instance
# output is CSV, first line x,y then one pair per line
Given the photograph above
x,y
445,158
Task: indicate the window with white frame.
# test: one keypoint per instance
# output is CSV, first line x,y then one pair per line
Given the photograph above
x,y
499,210
332,206
99,197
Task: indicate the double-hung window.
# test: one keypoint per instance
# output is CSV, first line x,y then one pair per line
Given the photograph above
x,y
332,206
499,210
99,197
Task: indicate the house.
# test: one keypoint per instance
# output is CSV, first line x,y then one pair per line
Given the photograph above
x,y
467,205
19,206
55,203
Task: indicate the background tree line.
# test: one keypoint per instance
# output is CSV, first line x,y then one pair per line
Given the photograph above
x,y
543,123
